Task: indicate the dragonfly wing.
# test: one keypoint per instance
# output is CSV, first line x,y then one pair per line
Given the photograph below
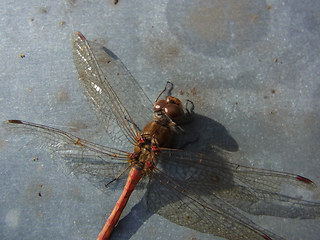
x,y
170,199
253,190
129,92
101,163
110,90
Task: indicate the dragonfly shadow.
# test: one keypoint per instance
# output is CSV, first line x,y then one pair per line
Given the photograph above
x,y
203,135
132,222
110,53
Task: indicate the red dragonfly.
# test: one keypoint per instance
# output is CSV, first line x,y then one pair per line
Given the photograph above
x,y
190,189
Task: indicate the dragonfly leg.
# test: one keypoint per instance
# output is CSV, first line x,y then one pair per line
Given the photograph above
x,y
117,177
133,123
165,89
189,111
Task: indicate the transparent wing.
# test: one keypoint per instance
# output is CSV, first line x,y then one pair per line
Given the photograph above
x,y
253,190
170,199
118,100
130,93
101,163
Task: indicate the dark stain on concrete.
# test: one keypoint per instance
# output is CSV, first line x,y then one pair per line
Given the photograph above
x,y
219,27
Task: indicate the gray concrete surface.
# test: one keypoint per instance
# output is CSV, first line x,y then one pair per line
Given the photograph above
x,y
252,66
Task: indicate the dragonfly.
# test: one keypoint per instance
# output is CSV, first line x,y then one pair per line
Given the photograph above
x,y
198,191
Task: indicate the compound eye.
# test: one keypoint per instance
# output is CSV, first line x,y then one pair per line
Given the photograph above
x,y
158,106
173,111
174,100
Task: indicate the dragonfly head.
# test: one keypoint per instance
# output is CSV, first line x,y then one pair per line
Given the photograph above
x,y
171,107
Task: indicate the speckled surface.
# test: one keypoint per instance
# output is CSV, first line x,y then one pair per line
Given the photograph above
x,y
251,66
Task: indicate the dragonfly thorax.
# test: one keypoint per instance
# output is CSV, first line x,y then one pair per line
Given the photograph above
x,y
158,134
